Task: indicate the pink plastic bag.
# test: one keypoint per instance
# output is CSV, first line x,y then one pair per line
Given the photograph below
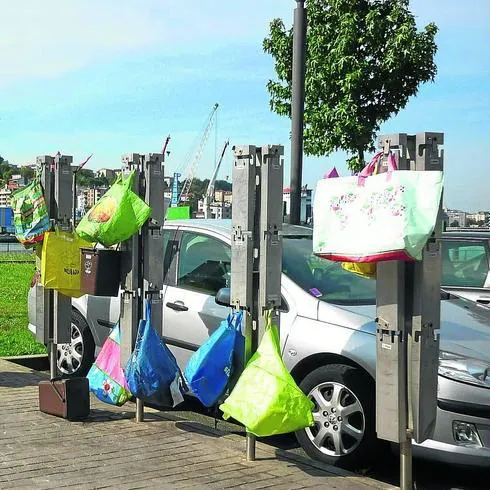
x,y
106,377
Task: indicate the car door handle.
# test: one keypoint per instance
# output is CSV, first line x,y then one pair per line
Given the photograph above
x,y
483,301
177,306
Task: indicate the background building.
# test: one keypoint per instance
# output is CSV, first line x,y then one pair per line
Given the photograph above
x,y
108,173
219,210
456,218
479,218
306,212
93,194
5,194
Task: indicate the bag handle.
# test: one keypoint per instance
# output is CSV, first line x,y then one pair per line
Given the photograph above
x,y
147,319
372,168
268,319
235,320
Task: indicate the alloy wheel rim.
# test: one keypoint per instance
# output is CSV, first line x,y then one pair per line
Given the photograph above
x,y
339,419
70,355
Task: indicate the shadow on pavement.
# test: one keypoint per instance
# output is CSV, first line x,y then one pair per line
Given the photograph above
x,y
12,379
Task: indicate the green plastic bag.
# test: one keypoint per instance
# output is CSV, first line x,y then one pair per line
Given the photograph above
x,y
266,399
117,216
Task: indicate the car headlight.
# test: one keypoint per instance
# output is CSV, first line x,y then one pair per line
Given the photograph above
x,y
464,369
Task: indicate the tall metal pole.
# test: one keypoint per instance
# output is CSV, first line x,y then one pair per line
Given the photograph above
x,y
297,110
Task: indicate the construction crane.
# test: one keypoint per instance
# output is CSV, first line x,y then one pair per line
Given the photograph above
x,y
165,145
209,196
197,157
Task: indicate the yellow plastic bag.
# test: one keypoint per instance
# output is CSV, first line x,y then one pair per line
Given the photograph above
x,y
60,262
364,269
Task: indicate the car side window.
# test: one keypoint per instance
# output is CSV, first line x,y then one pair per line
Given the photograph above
x,y
204,263
464,264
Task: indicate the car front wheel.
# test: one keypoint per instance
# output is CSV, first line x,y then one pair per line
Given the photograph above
x,y
344,431
76,357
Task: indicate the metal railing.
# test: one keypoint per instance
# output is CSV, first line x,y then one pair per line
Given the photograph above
x,y
15,247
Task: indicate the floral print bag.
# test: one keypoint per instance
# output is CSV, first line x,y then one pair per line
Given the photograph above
x,y
374,217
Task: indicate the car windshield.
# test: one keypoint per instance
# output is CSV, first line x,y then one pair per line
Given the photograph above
x,y
322,278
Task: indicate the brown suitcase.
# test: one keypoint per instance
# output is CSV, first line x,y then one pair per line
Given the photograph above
x,y
67,398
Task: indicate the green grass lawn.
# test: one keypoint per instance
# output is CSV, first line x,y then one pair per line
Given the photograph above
x,y
15,279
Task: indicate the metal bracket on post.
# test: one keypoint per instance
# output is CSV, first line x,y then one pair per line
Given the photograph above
x,y
244,252
63,176
130,271
153,236
44,297
406,405
53,309
391,361
402,145
256,258
424,347
141,279
394,287
131,281
272,174
243,226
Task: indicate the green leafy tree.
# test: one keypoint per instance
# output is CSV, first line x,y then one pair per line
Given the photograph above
x,y
85,177
5,171
196,192
222,185
111,179
27,173
100,182
365,59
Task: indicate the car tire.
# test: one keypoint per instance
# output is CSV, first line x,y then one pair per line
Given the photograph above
x,y
344,433
76,358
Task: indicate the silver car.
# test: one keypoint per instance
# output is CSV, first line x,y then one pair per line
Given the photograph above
x,y
328,343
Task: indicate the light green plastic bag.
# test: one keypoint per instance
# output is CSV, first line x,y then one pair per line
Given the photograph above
x,y
117,216
266,399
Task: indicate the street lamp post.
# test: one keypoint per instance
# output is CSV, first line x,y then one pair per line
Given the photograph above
x,y
297,109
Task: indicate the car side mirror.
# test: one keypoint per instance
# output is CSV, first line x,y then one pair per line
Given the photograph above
x,y
223,297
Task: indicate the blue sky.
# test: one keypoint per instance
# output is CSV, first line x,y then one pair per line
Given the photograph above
x,y
117,76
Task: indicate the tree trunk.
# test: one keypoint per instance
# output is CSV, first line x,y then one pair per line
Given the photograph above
x,y
360,156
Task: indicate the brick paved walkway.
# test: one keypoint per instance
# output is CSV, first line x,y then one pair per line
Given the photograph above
x,y
110,450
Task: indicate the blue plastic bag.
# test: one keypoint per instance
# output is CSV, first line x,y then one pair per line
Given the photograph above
x,y
208,371
152,372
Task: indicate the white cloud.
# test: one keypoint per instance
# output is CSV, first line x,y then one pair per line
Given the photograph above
x,y
48,38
